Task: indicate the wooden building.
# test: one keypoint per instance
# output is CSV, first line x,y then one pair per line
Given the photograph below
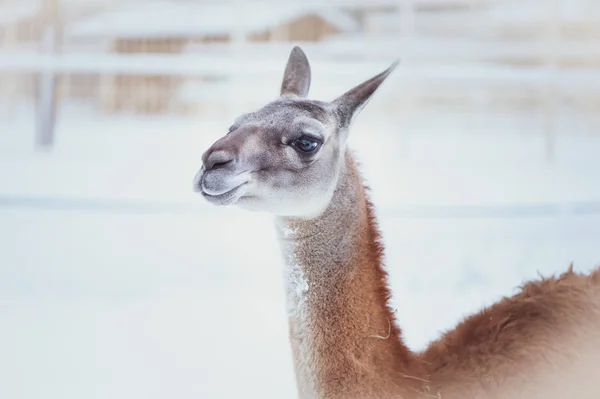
x,y
170,27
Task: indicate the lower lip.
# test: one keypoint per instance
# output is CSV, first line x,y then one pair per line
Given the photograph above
x,y
226,197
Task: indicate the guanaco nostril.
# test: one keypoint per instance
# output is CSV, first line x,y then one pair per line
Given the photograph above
x,y
217,165
218,159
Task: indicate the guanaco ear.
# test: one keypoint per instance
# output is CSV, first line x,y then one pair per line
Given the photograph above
x,y
353,101
296,78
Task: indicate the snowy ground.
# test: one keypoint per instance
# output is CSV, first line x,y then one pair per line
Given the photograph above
x,y
116,281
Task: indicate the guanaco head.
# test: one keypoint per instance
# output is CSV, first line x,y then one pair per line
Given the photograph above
x,y
286,157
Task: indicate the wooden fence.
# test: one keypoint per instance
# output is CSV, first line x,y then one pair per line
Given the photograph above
x,y
540,51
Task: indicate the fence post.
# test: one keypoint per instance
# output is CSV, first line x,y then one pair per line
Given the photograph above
x,y
47,96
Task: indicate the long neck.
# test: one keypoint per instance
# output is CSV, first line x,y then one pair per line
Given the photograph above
x,y
344,337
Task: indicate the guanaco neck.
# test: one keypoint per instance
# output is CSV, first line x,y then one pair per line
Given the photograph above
x,y
343,335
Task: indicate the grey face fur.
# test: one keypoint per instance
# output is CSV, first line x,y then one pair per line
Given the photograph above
x,y
286,157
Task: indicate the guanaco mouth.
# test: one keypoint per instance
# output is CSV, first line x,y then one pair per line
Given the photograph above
x,y
226,198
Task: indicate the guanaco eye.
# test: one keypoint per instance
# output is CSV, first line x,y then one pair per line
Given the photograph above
x,y
306,144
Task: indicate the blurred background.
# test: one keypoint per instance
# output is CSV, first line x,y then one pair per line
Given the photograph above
x,y
117,281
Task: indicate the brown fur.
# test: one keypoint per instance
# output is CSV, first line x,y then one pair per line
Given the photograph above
x,y
356,349
355,344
